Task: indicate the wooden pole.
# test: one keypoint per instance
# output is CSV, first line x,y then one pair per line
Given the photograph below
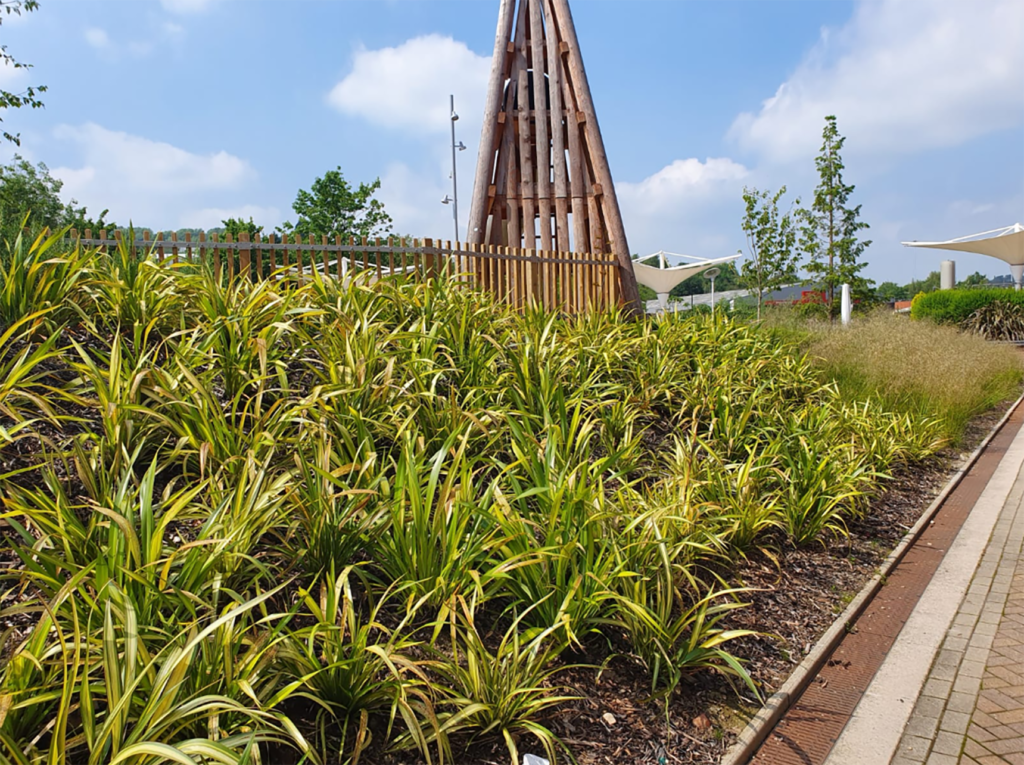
x,y
488,134
599,158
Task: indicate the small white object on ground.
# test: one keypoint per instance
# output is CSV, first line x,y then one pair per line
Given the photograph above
x,y
532,759
609,718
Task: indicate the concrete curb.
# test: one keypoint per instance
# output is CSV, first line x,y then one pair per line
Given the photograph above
x,y
762,723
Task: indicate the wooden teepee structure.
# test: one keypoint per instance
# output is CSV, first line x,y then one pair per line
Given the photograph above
x,y
542,178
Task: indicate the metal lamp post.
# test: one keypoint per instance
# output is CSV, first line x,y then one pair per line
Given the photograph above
x,y
456,147
711,274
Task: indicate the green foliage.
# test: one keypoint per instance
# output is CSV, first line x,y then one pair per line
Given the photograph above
x,y
281,522
1000,320
956,306
887,291
771,241
27,190
36,278
29,96
829,230
920,368
332,207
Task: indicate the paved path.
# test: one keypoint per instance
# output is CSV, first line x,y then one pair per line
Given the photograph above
x,y
951,689
971,708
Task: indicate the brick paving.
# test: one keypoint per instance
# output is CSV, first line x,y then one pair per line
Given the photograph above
x,y
971,708
810,728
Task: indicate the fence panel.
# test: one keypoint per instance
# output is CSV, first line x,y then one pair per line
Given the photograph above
x,y
567,282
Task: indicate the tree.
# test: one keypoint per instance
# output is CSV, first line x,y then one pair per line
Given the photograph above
x,y
29,96
334,208
771,241
889,291
236,226
976,279
931,284
27,189
828,234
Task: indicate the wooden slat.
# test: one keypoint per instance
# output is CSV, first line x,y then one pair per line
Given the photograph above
x,y
229,253
541,126
612,220
218,271
188,246
244,257
160,250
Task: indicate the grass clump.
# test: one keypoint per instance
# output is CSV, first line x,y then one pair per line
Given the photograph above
x,y
920,367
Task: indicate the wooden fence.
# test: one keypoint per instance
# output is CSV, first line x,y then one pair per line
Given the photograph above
x,y
563,281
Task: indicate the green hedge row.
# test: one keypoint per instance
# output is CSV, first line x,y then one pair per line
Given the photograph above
x,y
953,306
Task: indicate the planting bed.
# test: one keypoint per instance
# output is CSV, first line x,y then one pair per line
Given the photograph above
x,y
314,523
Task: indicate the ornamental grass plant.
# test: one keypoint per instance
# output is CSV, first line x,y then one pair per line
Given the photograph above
x,y
310,522
927,370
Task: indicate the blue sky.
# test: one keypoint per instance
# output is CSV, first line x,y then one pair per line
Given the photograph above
x,y
181,112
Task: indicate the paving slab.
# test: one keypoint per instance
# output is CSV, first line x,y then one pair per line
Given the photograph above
x,y
968,705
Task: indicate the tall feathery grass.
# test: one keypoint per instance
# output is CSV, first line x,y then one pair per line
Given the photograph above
x,y
312,522
928,369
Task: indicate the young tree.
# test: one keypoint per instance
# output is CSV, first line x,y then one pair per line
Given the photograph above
x,y
771,240
29,96
828,234
334,208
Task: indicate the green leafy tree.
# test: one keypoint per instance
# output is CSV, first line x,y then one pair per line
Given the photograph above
x,y
236,226
888,291
931,284
334,208
830,227
976,279
27,189
30,96
771,242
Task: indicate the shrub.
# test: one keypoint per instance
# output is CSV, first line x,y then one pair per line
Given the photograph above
x,y
997,321
956,306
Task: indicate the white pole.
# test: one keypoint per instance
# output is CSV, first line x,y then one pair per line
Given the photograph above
x,y
712,296
847,305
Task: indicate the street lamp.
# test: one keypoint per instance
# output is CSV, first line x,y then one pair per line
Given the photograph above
x,y
456,147
711,274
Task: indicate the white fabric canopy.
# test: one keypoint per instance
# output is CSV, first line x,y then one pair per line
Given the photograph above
x,y
1007,244
664,280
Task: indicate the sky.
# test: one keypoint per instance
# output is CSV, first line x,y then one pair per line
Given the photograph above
x,y
180,113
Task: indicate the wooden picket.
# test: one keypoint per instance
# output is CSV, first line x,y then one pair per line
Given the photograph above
x,y
557,281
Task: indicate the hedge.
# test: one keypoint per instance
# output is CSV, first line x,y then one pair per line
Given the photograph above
x,y
953,306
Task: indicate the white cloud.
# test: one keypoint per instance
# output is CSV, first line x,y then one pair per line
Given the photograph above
x,y
408,86
212,217
97,38
414,203
680,207
186,6
144,180
900,76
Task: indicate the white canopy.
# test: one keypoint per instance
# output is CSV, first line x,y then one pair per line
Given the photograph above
x,y
1007,244
664,280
